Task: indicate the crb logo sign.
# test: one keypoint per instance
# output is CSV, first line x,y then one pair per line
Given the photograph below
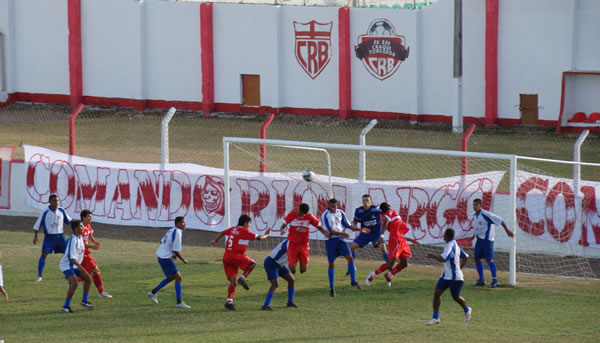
x,y
313,46
381,50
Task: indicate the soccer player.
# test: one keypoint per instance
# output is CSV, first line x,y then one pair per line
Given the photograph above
x,y
70,265
399,250
484,248
298,247
275,267
51,220
335,221
235,255
167,252
2,290
89,264
369,216
454,259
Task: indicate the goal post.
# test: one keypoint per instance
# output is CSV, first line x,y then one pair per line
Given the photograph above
x,y
396,159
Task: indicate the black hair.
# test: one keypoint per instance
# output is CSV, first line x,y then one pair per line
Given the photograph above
x,y
85,213
449,233
304,208
384,207
333,201
52,196
477,201
75,224
244,218
179,219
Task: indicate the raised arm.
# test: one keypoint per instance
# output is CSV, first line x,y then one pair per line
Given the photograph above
x,y
261,237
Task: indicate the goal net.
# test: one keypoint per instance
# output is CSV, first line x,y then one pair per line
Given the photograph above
x,y
432,190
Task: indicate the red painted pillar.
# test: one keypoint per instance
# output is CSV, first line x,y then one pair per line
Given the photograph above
x,y
345,86
491,62
464,166
263,148
75,63
206,44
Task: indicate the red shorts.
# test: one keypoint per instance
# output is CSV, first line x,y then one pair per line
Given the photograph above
x,y
233,262
88,263
398,249
298,252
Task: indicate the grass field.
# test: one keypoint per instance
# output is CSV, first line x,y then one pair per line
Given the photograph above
x,y
551,310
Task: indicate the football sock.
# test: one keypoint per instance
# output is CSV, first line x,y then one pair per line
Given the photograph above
x,y
466,308
479,266
41,264
352,272
436,314
397,269
331,274
67,303
382,268
268,299
162,284
291,291
354,255
178,291
385,256
492,266
231,292
248,271
85,297
98,282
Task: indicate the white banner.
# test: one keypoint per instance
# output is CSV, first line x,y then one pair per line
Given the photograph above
x,y
546,208
145,195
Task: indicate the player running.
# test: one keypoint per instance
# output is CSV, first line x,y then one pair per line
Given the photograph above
x,y
369,216
335,221
454,259
399,250
235,255
51,220
167,252
275,267
298,246
89,263
70,265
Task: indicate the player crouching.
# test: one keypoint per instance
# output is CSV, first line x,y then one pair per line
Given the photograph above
x,y
235,255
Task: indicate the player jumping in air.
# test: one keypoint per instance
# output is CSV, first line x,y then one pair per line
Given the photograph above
x,y
167,252
235,255
454,259
275,267
89,264
399,250
335,221
369,216
298,246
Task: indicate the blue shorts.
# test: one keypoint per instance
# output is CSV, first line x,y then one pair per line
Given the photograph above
x,y
274,270
168,266
72,271
54,243
455,285
484,249
365,238
336,247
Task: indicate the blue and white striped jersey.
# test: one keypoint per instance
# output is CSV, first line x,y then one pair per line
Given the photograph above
x,y
52,221
482,224
170,242
336,222
279,254
453,254
75,249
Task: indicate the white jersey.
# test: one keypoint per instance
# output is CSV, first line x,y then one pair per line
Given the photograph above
x,y
171,242
1,281
52,221
75,250
279,254
335,222
482,224
452,255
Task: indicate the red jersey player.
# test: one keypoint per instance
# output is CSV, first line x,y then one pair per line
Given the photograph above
x,y
235,255
88,261
398,248
298,247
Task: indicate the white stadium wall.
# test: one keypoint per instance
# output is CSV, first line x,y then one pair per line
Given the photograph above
x,y
148,53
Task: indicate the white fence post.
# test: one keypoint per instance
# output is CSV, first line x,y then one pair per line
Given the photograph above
x,y
577,178
512,260
362,167
164,138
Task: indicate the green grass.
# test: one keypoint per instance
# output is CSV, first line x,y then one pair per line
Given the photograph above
x,y
555,310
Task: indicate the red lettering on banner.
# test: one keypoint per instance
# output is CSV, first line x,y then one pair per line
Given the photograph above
x,y
412,197
60,167
37,160
590,216
561,188
87,191
181,179
280,187
164,178
121,199
146,192
209,199
523,220
258,190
